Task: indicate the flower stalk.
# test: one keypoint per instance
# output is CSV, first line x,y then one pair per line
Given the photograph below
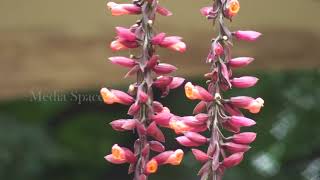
x,y
214,112
147,114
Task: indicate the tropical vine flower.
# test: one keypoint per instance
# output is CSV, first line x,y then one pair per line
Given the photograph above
x,y
147,114
215,112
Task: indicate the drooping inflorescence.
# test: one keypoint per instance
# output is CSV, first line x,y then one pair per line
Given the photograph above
x,y
147,114
215,112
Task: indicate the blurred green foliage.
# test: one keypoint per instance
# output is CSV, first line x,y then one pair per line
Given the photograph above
x,y
67,140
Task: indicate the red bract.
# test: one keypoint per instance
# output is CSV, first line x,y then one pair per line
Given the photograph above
x,y
215,112
147,115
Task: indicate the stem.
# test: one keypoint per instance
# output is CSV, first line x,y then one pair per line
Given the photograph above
x,y
145,81
214,108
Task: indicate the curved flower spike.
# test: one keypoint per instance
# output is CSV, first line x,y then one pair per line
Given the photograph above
x,y
214,111
147,113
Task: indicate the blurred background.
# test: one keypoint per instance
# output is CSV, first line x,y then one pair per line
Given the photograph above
x,y
53,57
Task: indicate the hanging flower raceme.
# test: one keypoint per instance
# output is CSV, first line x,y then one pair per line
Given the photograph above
x,y
214,112
147,115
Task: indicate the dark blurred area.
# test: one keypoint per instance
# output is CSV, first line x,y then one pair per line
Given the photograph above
x,y
53,57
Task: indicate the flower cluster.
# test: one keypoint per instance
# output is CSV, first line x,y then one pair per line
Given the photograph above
x,y
150,73
214,112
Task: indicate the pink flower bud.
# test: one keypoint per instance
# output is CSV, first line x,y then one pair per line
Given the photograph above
x,y
241,101
163,11
244,138
240,62
235,148
123,124
200,107
123,9
191,121
164,68
184,141
158,39
155,132
125,34
152,61
123,61
156,146
123,98
233,160
205,11
162,118
162,81
134,108
247,35
244,81
143,97
240,121
176,82
199,155
196,137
